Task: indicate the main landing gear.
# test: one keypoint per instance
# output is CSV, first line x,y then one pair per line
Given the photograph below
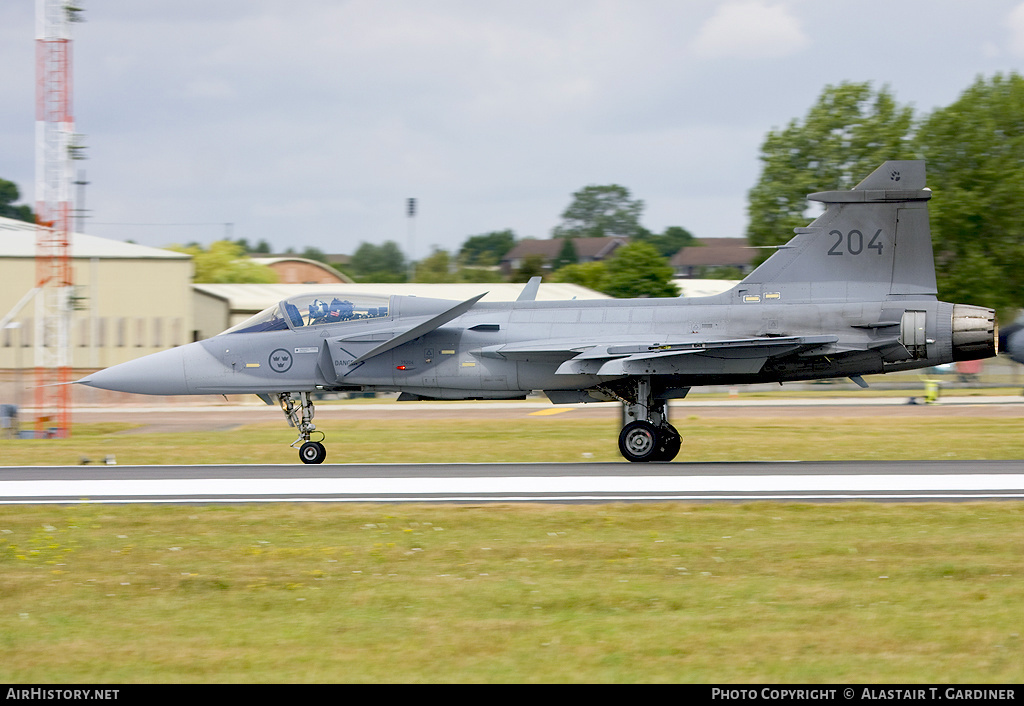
x,y
300,416
646,433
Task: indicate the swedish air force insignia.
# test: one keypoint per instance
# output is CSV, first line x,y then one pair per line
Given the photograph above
x,y
280,361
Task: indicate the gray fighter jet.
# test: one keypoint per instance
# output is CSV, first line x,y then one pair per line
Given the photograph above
x,y
852,294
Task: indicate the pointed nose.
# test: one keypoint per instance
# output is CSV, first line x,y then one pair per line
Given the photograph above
x,y
161,373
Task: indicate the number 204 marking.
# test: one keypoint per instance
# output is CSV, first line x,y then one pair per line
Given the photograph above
x,y
854,242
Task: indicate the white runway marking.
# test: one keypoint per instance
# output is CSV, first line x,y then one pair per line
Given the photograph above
x,y
603,488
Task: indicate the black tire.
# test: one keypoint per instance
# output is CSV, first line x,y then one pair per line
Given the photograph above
x,y
640,442
312,452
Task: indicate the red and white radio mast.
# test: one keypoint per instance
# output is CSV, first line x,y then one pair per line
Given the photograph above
x,y
54,146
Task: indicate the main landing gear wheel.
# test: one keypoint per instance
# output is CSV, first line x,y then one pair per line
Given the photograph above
x,y
641,441
638,441
312,452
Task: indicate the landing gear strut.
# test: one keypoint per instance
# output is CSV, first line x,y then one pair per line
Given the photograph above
x,y
646,433
300,416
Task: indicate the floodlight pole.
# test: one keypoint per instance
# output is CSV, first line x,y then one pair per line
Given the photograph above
x,y
411,212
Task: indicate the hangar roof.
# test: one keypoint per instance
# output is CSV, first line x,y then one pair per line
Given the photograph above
x,y
336,275
18,239
703,287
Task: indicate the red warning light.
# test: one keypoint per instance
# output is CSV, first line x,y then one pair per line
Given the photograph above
x,y
400,367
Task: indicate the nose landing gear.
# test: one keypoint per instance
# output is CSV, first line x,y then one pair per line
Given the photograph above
x,y
300,416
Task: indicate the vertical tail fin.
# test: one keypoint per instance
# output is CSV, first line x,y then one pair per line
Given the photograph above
x,y
872,242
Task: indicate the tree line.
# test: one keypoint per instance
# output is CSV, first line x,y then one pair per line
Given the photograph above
x,y
638,269
974,149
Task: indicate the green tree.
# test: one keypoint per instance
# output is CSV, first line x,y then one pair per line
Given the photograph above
x,y
601,211
436,267
975,153
261,248
848,132
674,239
486,249
313,253
532,266
225,262
637,270
378,263
591,275
440,266
478,274
8,195
566,256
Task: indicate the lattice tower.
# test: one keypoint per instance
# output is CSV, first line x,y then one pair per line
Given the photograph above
x,y
54,175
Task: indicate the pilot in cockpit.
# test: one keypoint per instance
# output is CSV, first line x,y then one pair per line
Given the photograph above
x,y
340,310
318,312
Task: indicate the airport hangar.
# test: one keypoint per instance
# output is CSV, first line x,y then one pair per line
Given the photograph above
x,y
131,299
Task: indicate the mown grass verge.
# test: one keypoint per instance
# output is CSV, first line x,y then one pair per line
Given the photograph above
x,y
909,593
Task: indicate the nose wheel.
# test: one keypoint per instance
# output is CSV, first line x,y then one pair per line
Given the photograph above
x,y
312,452
300,416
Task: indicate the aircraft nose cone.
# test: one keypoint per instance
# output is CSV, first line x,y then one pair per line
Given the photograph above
x,y
1015,346
160,373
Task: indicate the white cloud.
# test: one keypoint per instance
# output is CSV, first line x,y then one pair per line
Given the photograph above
x,y
750,29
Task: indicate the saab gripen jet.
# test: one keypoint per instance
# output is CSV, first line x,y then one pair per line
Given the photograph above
x,y
851,294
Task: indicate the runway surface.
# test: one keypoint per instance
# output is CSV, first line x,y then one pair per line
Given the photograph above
x,y
538,482
936,481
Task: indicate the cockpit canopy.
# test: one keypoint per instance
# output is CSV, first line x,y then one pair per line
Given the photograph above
x,y
315,309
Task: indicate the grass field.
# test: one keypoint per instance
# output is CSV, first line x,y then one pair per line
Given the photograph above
x,y
916,593
758,592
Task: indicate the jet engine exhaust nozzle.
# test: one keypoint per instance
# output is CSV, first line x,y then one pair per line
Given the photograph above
x,y
975,332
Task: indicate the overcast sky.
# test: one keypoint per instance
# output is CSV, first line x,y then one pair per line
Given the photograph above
x,y
310,122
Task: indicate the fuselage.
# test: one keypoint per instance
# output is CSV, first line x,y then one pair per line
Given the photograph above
x,y
505,350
